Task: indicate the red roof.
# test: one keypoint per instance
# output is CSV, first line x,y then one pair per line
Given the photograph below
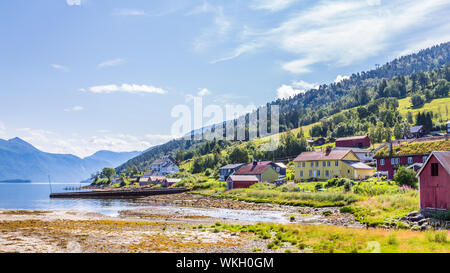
x,y
250,169
317,156
352,138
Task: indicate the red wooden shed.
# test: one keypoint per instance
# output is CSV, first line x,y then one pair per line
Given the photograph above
x,y
241,181
353,142
434,182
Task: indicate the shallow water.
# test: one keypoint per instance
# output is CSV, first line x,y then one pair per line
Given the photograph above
x,y
35,196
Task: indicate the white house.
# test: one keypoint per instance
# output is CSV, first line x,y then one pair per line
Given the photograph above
x,y
164,166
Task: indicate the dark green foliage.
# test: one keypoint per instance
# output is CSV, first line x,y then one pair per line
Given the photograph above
x,y
406,177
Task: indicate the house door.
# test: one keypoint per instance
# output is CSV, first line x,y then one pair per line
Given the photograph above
x,y
314,174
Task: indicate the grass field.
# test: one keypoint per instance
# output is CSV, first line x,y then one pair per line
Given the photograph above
x,y
436,106
331,239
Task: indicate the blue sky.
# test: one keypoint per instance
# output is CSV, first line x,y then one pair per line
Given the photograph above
x,y
78,76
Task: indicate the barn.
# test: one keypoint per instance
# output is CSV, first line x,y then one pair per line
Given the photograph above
x,y
241,181
434,182
353,142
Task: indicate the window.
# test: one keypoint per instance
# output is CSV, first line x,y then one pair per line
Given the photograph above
x,y
336,163
327,173
318,173
382,162
395,161
424,159
312,164
301,173
324,164
299,164
434,169
410,160
329,163
304,164
317,163
310,173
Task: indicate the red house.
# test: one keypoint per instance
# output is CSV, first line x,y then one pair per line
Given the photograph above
x,y
414,155
353,142
241,181
434,182
391,164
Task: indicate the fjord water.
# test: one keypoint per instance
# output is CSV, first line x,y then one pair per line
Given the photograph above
x,y
36,196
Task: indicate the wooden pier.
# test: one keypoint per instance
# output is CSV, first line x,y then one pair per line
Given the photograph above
x,y
118,193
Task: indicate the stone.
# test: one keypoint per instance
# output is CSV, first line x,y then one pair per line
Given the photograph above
x,y
422,222
417,218
414,213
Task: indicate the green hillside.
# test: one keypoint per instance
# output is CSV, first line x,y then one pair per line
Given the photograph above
x,y
376,103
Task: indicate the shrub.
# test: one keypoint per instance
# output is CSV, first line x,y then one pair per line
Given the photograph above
x,y
348,186
318,186
406,176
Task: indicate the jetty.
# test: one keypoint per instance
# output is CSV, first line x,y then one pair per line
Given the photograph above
x,y
129,193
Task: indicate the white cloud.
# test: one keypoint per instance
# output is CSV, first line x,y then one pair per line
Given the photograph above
x,y
74,109
73,2
128,88
204,92
60,67
217,32
128,12
51,142
340,78
110,63
287,91
341,33
272,5
305,85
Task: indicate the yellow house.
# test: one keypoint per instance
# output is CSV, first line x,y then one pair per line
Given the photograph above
x,y
329,164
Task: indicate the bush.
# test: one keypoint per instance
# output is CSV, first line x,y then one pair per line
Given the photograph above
x,y
417,101
406,177
318,186
348,186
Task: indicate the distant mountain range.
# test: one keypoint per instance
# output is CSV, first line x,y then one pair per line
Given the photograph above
x,y
20,160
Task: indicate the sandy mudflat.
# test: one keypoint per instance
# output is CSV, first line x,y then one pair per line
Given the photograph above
x,y
165,225
78,232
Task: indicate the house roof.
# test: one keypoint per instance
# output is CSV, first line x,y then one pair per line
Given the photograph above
x,y
318,156
442,156
352,138
281,165
355,150
416,129
245,178
415,148
231,166
357,165
250,169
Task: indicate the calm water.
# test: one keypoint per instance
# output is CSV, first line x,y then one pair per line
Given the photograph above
x,y
35,196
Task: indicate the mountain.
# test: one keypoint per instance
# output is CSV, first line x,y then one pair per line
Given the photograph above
x,y
21,160
316,104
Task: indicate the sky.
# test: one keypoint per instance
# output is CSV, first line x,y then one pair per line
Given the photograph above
x,y
78,76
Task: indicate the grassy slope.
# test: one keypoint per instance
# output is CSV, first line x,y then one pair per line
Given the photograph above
x,y
434,106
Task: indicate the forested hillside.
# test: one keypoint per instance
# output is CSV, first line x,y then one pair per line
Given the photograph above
x,y
366,103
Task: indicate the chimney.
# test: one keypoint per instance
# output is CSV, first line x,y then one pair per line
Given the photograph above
x,y
255,163
328,150
390,148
